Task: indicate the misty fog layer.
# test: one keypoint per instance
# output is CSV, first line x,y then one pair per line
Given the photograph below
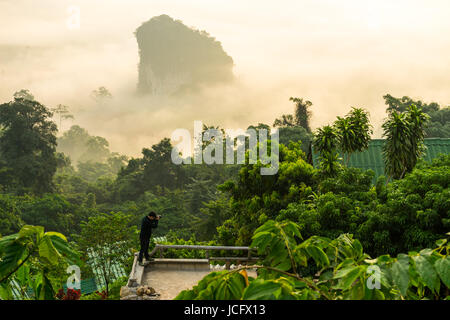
x,y
336,54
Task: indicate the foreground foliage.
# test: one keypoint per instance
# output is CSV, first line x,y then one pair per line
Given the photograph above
x,y
34,259
405,215
344,271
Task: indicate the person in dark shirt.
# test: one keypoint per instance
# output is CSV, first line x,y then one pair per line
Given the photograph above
x,y
148,223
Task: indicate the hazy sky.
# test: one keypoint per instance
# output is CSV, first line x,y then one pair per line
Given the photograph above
x,y
337,54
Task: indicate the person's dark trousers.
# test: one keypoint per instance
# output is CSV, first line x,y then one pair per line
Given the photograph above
x,y
145,242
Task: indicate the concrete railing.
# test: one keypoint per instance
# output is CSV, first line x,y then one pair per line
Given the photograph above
x,y
137,271
136,274
161,247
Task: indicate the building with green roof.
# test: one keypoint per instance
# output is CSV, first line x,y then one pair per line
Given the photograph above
x,y
372,158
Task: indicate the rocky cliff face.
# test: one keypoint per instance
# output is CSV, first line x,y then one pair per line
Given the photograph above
x,y
174,57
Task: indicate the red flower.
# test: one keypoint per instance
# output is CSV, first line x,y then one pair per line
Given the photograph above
x,y
71,294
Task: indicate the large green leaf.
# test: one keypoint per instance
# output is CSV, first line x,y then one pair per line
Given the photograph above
x,y
358,249
285,265
43,289
427,273
400,274
318,255
237,286
268,226
278,253
48,251
56,234
442,267
11,258
230,288
344,271
64,249
261,290
347,277
261,240
208,293
29,231
6,291
23,275
6,241
293,229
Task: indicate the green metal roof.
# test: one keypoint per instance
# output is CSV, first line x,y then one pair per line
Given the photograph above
x,y
372,158
115,267
87,286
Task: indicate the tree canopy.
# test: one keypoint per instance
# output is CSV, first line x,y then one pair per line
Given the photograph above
x,y
27,145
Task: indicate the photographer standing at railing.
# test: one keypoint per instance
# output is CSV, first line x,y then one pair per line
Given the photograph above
x,y
148,222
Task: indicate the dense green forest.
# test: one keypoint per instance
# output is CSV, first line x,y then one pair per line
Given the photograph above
x,y
319,230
